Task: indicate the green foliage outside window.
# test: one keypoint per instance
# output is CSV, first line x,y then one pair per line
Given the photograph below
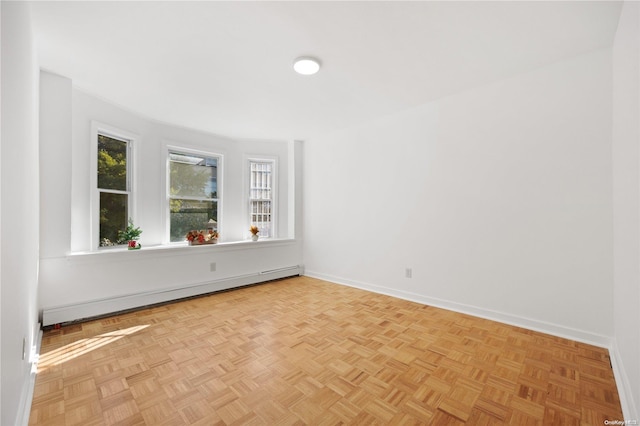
x,y
112,176
112,163
193,193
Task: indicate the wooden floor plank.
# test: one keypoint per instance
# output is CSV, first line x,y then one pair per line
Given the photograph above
x,y
304,351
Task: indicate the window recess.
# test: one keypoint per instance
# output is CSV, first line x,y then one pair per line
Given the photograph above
x,y
193,192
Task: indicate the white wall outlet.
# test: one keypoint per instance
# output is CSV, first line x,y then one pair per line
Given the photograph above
x,y
408,272
212,266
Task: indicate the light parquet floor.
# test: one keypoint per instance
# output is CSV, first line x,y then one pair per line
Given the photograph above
x,y
304,351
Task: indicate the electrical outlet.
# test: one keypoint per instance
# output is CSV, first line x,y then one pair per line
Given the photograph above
x,y
408,272
212,266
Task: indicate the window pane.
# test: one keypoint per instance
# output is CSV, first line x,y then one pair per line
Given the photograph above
x,y
261,216
187,215
113,216
260,180
112,163
193,176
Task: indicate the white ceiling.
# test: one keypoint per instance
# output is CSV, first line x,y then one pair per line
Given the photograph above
x,y
226,67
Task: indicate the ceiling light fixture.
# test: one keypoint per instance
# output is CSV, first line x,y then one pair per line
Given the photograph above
x,y
306,65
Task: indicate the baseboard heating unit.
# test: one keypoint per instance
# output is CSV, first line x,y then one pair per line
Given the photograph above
x,y
102,307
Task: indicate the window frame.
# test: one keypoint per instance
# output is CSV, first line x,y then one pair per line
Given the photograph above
x,y
133,141
182,149
274,193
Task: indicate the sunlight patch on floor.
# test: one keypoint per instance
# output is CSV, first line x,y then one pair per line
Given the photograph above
x,y
83,346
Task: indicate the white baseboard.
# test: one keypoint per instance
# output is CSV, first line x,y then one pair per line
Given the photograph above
x,y
515,320
629,409
95,308
24,410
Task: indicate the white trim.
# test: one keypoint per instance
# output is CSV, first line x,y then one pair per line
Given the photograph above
x,y
26,399
625,391
121,254
246,183
98,307
133,141
515,320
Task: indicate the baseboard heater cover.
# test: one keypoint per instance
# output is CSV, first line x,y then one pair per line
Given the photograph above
x,y
96,308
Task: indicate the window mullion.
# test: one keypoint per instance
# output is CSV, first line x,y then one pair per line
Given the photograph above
x,y
176,197
114,191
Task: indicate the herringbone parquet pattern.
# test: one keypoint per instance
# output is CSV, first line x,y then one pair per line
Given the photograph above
x,y
304,351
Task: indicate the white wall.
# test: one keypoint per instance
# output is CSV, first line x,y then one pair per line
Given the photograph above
x,y
150,163
19,215
626,204
498,199
67,277
55,151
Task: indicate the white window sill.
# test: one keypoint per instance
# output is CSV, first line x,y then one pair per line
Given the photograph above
x,y
176,249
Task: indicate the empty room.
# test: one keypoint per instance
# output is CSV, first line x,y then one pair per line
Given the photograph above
x,y
366,212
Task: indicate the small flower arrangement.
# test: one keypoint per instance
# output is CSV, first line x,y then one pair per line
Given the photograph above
x,y
254,232
202,237
105,242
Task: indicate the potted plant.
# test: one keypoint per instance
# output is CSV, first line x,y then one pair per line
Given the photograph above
x,y
130,236
254,232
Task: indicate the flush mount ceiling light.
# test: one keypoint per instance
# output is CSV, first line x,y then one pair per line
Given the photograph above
x,y
306,65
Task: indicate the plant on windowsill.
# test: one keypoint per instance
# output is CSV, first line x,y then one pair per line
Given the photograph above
x,y
130,236
254,232
197,238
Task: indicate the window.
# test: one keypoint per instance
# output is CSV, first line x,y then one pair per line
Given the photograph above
x,y
261,196
192,193
114,187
